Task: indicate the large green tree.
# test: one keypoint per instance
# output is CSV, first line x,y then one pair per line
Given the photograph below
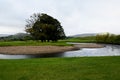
x,y
44,27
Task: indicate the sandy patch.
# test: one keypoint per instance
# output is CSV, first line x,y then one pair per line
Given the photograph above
x,y
45,49
35,49
89,45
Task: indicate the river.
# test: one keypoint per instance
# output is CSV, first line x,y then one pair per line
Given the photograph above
x,y
108,50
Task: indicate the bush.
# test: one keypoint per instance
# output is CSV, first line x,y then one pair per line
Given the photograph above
x,y
108,38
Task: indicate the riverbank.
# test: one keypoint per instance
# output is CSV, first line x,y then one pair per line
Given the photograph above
x,y
20,50
83,68
35,49
88,45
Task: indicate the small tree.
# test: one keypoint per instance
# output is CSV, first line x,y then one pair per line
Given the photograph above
x,y
44,27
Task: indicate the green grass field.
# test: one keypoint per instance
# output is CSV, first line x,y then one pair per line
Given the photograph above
x,y
83,68
39,43
32,43
91,39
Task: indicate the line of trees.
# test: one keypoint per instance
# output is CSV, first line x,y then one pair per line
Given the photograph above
x,y
17,37
44,27
108,38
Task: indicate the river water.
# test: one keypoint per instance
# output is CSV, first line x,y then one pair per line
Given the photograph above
x,y
108,50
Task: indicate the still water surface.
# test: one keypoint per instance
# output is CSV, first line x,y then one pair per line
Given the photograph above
x,y
109,50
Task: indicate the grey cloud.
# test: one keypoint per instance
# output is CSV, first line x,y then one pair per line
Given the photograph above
x,y
76,16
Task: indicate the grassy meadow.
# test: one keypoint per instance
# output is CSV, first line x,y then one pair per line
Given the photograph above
x,y
33,43
39,43
84,68
79,68
91,39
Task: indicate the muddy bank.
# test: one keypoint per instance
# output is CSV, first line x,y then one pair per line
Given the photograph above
x,y
89,45
44,49
35,49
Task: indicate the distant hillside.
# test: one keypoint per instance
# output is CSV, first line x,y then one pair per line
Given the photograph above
x,y
18,36
4,35
84,35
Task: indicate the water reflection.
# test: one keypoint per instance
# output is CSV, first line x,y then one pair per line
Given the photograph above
x,y
3,56
109,50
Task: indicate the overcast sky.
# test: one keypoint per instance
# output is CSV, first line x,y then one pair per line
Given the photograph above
x,y
76,16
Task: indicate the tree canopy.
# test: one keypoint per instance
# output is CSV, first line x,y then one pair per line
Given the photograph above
x,y
44,27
